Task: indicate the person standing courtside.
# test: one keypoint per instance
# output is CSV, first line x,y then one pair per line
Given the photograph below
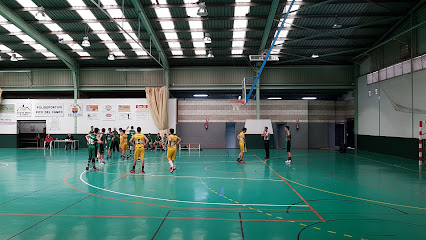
x,y
116,140
265,136
288,144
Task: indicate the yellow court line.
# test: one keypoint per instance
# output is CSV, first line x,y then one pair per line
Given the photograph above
x,y
333,232
346,235
317,228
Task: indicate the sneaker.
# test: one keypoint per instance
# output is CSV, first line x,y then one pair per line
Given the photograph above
x,y
143,171
103,162
122,156
132,171
174,168
288,161
171,169
128,157
241,161
87,169
94,169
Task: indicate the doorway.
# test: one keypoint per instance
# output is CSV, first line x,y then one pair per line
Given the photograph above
x,y
339,134
31,133
350,133
231,138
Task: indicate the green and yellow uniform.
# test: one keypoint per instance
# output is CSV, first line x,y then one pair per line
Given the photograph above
x,y
139,140
131,133
171,151
123,141
91,146
242,138
109,137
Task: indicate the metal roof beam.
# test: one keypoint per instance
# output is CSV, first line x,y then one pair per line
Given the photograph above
x,y
321,56
32,32
271,16
145,21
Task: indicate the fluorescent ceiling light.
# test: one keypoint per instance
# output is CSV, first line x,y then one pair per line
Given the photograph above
x,y
241,11
237,52
198,44
174,44
76,3
240,23
200,95
275,98
309,98
40,15
13,58
315,56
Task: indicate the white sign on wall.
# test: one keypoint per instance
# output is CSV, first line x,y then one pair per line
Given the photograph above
x,y
108,108
7,119
125,116
108,116
75,110
24,110
49,110
92,116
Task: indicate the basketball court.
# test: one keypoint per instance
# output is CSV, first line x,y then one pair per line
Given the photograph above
x,y
247,119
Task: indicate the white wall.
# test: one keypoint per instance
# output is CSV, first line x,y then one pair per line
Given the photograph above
x,y
67,124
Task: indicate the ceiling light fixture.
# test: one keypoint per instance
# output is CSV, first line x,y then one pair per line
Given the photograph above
x,y
207,38
111,56
337,24
200,95
202,11
315,56
86,42
13,58
309,98
275,98
210,55
40,15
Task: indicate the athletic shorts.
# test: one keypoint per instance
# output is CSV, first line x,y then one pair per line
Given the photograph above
x,y
139,153
123,145
288,146
109,145
171,154
132,147
92,151
101,148
243,147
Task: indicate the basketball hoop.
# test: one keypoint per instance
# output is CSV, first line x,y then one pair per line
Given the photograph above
x,y
236,104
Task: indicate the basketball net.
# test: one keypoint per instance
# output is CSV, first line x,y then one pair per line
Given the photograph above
x,y
236,104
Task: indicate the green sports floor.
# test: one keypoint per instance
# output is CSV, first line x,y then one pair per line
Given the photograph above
x,y
46,194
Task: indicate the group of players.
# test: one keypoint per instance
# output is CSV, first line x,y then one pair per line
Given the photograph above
x,y
98,141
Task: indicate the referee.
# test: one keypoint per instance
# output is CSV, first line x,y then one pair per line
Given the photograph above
x,y
265,136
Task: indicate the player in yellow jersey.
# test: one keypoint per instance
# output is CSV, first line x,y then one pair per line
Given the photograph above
x,y
139,141
242,139
173,141
123,143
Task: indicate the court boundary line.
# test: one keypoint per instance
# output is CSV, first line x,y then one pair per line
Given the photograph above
x,y
294,190
161,224
181,201
154,217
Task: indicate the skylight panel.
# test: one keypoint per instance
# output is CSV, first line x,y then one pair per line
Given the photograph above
x,y
174,44
196,35
167,25
200,52
11,28
283,33
53,27
66,37
126,26
86,14
83,54
240,23
76,3
141,53
237,43
17,54
133,35
154,2
192,12
2,19
163,13
27,3
135,45
49,54
111,45
104,37
75,46
171,36
96,26
25,38
241,11
115,13
119,54
237,52
275,51
199,44
4,48
195,24
243,1
177,53
239,34
38,47
109,2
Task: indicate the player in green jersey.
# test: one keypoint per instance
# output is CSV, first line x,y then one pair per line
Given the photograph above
x,y
109,140
92,139
288,144
132,132
101,146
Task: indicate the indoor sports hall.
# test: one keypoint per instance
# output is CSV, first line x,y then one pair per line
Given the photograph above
x,y
213,119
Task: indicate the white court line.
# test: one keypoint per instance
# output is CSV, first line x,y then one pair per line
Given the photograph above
x,y
191,202
4,165
225,178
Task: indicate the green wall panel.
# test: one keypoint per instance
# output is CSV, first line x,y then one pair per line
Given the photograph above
x,y
394,146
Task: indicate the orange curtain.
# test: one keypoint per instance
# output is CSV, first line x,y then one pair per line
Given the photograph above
x,y
158,106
